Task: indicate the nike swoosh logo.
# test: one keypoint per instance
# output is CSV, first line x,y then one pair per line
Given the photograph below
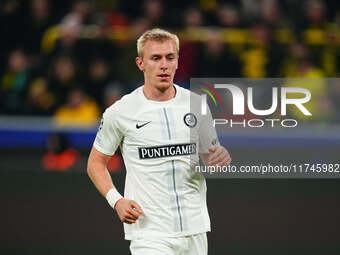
x,y
142,125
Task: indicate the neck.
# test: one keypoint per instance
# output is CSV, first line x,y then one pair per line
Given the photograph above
x,y
155,94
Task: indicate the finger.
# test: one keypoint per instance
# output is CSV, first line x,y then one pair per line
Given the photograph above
x,y
212,149
228,161
129,221
225,163
220,159
213,157
225,154
222,162
129,215
217,150
136,206
134,213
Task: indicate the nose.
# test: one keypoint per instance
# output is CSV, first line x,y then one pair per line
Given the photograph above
x,y
163,64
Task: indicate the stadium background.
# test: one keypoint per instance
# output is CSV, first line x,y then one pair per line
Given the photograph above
x,y
63,62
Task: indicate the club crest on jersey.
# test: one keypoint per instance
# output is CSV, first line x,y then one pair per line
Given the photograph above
x,y
190,120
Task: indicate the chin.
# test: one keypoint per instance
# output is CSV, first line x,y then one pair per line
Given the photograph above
x,y
163,86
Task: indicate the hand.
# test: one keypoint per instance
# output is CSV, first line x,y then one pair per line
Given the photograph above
x,y
128,210
219,156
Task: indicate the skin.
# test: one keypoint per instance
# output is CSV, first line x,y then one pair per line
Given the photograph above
x,y
159,58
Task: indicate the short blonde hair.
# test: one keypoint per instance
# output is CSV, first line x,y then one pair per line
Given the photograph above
x,y
158,35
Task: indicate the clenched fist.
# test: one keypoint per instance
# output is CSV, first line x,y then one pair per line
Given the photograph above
x,y
128,210
219,156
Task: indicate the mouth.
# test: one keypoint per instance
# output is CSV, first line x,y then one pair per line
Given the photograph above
x,y
163,76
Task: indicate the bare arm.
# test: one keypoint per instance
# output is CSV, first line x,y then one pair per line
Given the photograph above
x,y
97,171
127,210
218,156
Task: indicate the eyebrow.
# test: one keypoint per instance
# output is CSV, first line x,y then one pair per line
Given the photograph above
x,y
158,55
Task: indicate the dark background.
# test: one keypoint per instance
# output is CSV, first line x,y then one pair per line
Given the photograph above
x,y
62,213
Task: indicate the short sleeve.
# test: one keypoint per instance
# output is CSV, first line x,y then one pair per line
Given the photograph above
x,y
207,133
109,135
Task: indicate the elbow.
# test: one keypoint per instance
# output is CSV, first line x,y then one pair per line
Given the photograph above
x,y
88,170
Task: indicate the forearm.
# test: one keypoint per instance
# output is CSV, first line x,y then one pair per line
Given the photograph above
x,y
98,173
100,177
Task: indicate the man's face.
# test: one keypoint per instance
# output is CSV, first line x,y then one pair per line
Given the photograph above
x,y
159,63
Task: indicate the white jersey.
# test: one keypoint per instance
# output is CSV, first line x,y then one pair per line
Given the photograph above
x,y
160,143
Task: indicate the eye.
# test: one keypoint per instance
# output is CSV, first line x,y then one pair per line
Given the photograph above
x,y
155,58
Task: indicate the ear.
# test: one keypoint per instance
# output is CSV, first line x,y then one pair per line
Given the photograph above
x,y
140,64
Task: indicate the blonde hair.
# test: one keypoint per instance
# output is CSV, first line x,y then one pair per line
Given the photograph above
x,y
158,35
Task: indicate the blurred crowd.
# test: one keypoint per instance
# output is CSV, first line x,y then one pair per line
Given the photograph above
x,y
72,59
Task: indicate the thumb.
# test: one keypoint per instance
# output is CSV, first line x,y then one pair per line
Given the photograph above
x,y
212,149
135,205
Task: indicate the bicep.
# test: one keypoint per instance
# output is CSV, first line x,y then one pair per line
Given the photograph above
x,y
97,157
